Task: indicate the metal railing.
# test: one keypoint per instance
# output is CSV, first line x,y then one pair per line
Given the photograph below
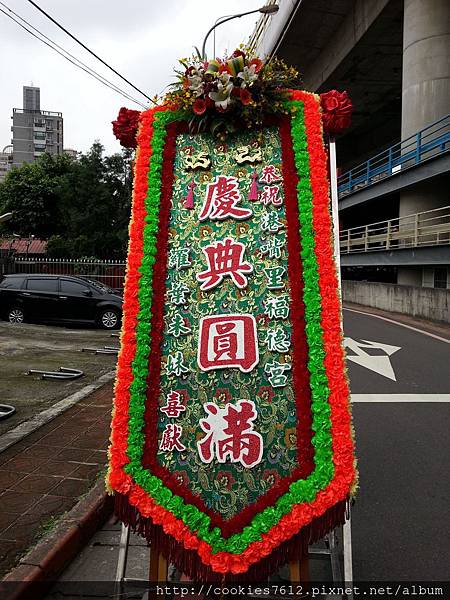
x,y
428,228
108,272
427,143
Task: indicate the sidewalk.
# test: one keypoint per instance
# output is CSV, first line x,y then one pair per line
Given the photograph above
x,y
45,474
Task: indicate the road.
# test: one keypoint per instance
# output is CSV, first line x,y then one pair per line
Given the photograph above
x,y
400,383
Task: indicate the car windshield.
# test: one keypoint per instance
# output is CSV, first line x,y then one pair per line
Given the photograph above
x,y
99,286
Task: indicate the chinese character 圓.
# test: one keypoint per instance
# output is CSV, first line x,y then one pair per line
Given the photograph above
x,y
274,277
277,307
227,341
275,372
173,406
175,364
271,195
229,434
272,247
224,259
170,440
222,197
177,326
269,174
277,340
269,222
179,258
177,293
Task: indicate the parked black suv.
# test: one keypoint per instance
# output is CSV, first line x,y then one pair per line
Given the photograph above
x,y
61,298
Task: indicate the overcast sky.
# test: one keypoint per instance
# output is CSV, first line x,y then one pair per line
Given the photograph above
x,y
142,39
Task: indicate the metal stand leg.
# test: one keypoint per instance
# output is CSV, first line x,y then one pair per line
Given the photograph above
x,y
122,560
334,557
348,556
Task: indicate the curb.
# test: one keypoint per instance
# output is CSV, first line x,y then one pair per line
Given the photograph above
x,y
41,567
18,433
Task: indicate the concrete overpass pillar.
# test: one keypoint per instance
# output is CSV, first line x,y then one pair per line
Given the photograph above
x,y
425,94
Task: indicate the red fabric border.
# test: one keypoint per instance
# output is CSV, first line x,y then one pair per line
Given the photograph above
x,y
305,451
338,489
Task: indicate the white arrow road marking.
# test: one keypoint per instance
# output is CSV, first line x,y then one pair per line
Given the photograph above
x,y
379,364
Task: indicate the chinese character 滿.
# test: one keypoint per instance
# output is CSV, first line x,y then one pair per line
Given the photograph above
x,y
222,197
229,434
227,341
224,258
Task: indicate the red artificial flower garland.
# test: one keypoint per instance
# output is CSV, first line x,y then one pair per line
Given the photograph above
x,y
125,127
337,111
301,515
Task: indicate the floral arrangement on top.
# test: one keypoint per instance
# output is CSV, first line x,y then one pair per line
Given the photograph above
x,y
231,93
223,95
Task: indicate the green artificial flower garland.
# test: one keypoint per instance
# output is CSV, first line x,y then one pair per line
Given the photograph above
x,y
301,491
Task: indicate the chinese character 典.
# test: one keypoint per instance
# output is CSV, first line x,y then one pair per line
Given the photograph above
x,y
224,258
275,372
177,293
269,175
277,340
274,275
178,326
272,246
230,434
270,195
173,406
171,438
175,364
227,341
277,307
269,222
221,199
179,258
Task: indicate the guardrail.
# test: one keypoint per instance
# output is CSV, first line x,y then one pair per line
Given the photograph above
x,y
427,143
428,228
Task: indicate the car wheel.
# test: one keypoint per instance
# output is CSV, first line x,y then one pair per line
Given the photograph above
x,y
16,315
109,319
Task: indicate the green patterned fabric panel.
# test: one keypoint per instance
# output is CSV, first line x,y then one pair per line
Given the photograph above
x,y
226,487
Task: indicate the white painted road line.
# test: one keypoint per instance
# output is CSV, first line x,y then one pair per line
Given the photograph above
x,y
400,398
369,314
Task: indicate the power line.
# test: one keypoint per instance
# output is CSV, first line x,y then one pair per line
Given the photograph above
x,y
88,49
91,71
84,67
81,65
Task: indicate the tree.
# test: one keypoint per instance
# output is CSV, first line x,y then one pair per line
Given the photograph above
x,y
81,206
31,193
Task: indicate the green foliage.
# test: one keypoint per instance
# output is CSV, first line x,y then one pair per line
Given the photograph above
x,y
81,207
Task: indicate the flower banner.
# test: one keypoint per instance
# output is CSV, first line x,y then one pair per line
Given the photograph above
x,y
231,446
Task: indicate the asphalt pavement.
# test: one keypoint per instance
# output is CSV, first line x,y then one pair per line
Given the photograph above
x,y
401,515
400,519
